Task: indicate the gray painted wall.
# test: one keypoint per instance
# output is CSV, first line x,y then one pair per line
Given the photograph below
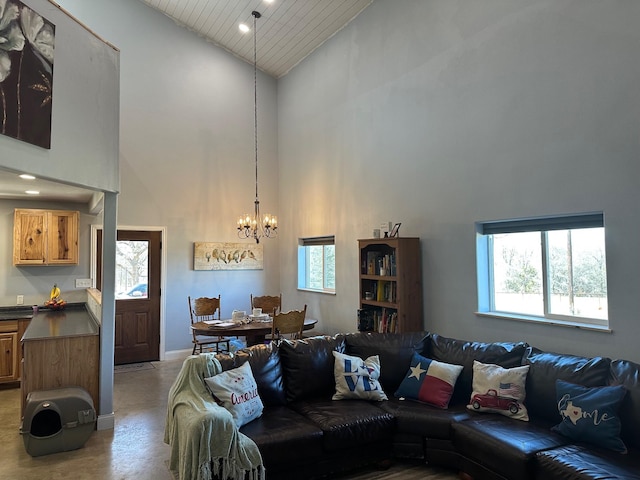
x,y
438,114
84,130
84,152
435,114
187,151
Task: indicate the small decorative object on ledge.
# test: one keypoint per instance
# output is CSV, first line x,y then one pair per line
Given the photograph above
x,y
395,230
227,256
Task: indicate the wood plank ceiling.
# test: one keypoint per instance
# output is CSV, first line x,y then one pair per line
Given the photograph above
x,y
288,31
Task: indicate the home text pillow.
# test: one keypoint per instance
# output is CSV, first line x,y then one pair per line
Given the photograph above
x,y
590,414
237,391
499,390
357,378
429,381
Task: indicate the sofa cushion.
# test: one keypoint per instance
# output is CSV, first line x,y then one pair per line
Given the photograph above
x,y
462,352
506,447
280,431
425,420
499,390
581,463
267,370
307,366
237,391
590,414
429,381
394,350
357,378
627,373
547,367
347,424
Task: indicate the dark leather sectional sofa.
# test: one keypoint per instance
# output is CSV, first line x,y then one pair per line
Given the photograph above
x,y
302,433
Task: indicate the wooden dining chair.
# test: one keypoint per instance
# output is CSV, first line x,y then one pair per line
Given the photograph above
x,y
201,309
268,303
289,323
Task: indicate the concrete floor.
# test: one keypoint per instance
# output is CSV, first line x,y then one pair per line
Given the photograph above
x,y
134,449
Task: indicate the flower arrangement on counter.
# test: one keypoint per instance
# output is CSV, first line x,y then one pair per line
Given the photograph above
x,y
55,302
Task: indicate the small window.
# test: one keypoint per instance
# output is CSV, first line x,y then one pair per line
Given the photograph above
x,y
550,269
317,264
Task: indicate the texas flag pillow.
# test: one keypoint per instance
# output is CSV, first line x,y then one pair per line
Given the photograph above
x,y
429,381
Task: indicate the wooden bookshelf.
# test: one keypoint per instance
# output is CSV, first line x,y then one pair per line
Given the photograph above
x,y
390,285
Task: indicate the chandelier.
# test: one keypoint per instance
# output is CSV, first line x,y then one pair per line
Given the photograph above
x,y
254,225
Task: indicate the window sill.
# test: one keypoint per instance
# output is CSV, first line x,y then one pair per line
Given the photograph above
x,y
312,290
545,321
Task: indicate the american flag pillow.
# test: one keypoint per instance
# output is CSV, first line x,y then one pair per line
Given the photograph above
x,y
499,390
429,381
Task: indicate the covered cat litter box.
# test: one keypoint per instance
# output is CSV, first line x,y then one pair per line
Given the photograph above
x,y
57,420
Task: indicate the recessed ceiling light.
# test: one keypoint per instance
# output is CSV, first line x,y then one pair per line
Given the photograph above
x,y
26,176
32,192
243,28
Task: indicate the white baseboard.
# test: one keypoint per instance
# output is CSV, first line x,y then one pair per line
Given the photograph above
x,y
177,354
106,422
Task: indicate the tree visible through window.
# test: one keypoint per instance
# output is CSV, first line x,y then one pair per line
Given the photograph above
x,y
317,264
540,268
132,265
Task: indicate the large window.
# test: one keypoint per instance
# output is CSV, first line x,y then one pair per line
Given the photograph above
x,y
550,269
317,264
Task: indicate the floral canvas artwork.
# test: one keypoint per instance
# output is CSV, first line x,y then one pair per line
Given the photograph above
x,y
227,256
26,73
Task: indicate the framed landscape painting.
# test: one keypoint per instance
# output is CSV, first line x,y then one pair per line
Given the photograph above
x,y
227,256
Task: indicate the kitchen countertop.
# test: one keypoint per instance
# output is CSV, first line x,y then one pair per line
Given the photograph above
x,y
75,320
12,313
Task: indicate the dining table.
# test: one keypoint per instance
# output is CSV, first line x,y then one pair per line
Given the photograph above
x,y
255,332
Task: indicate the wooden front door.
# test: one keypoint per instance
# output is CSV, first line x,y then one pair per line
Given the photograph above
x,y
137,322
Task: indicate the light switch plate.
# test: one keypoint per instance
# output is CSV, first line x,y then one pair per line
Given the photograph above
x,y
20,300
83,283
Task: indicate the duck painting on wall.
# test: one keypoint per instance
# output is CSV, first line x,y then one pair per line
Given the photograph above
x,y
26,73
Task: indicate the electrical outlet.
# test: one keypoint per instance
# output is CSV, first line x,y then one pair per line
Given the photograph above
x,y
20,300
83,283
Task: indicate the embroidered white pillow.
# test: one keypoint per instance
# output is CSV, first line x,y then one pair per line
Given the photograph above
x,y
357,378
499,390
237,391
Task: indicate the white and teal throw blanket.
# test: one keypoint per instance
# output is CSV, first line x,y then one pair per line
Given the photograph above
x,y
203,436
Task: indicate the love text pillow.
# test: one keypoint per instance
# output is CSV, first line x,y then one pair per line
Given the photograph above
x,y
357,378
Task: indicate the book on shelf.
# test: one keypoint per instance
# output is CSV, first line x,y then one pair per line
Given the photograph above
x,y
378,263
378,320
384,291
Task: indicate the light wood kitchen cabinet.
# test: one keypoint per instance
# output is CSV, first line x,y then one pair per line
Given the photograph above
x,y
11,332
45,237
9,353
